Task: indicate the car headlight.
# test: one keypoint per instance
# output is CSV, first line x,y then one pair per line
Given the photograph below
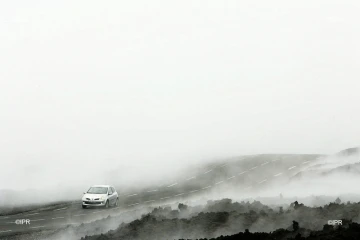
x,y
102,198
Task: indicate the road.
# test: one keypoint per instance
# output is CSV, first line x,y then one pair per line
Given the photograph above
x,y
73,214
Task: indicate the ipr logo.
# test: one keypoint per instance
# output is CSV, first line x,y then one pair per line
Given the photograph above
x,y
22,221
335,222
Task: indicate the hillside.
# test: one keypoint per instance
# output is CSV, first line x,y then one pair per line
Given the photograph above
x,y
227,218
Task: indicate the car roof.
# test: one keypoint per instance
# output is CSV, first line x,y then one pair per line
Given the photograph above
x,y
101,186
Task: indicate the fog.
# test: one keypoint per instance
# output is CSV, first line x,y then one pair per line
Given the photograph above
x,y
320,182
88,88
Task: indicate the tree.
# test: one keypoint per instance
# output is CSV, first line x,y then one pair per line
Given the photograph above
x,y
281,210
295,226
182,207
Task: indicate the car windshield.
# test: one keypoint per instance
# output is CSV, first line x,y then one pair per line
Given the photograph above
x,y
98,190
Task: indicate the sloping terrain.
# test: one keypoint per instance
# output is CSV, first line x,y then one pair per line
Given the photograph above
x,y
226,218
193,178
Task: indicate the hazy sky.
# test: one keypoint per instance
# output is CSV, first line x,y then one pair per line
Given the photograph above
x,y
168,82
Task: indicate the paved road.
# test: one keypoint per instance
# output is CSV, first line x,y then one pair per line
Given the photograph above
x,y
63,215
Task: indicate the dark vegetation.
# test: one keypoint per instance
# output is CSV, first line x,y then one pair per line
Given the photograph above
x,y
232,220
351,231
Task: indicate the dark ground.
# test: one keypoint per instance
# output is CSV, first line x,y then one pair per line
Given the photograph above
x,y
227,220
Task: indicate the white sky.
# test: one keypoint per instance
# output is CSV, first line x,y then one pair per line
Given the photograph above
x,y
170,82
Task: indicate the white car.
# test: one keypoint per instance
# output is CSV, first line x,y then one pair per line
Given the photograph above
x,y
100,195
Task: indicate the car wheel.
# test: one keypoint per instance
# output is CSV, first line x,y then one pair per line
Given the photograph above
x,y
83,206
116,202
107,204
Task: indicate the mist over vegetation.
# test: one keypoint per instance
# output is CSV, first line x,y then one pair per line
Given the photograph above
x,y
219,218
